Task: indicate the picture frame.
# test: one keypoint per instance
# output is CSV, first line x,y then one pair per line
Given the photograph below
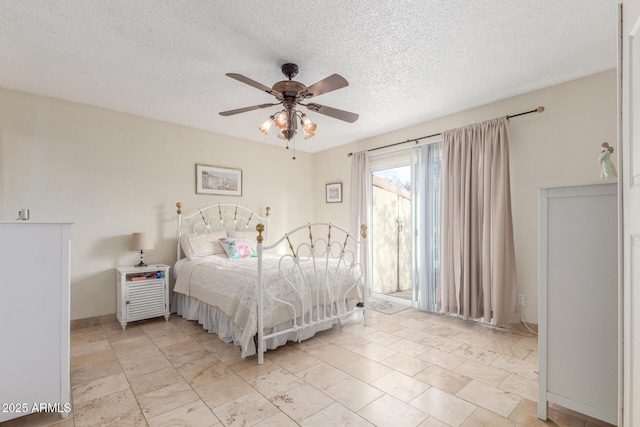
x,y
218,180
334,192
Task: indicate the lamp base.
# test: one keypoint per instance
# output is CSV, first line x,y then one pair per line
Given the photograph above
x,y
140,264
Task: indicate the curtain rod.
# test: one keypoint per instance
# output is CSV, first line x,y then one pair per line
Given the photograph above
x,y
536,110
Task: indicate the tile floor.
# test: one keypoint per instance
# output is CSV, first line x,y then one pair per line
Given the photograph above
x,y
407,369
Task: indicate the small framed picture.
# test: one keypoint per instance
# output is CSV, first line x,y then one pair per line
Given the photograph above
x,y
334,192
217,180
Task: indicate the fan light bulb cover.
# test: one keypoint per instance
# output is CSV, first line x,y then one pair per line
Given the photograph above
x,y
281,121
264,128
281,135
309,135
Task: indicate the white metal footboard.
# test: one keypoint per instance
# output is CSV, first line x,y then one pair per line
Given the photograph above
x,y
319,282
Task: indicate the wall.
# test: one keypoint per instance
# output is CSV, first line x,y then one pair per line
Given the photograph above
x,y
112,174
560,145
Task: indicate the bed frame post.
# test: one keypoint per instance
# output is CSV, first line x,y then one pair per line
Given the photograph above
x,y
365,267
261,349
178,248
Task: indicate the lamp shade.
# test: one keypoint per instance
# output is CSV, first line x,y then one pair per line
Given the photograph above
x,y
140,242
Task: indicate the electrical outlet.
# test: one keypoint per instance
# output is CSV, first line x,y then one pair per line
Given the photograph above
x,y
520,300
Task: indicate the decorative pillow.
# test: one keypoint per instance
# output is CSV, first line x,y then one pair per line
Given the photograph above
x,y
250,237
201,245
237,248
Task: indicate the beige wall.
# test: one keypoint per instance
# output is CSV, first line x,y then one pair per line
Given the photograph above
x,y
560,145
112,174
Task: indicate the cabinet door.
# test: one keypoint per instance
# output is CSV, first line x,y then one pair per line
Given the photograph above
x,y
145,299
31,335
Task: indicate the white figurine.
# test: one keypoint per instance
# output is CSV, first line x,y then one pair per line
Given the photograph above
x,y
607,169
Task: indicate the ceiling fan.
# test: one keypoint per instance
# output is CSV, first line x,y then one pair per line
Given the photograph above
x,y
290,94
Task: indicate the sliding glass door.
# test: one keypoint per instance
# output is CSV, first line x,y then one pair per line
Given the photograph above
x,y
405,225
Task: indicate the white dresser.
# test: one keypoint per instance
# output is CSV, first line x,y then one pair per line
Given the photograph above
x,y
34,319
578,298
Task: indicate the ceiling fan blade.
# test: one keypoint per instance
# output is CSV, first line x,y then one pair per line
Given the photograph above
x,y
245,109
333,82
254,83
333,112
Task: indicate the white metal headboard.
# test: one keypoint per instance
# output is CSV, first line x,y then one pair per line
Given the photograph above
x,y
219,217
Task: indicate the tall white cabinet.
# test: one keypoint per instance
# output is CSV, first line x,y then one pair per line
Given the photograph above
x,y
578,298
34,319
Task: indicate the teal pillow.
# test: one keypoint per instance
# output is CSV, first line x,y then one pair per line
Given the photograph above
x,y
237,248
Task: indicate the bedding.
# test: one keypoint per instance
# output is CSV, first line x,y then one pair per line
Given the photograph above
x,y
229,285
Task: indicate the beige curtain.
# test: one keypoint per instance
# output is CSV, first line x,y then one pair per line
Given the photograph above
x,y
359,197
477,258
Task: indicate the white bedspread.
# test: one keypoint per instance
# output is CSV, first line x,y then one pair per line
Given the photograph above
x,y
230,285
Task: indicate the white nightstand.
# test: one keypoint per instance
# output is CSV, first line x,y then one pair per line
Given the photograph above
x,y
142,293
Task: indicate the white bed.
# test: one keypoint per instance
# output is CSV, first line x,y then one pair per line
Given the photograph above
x,y
305,282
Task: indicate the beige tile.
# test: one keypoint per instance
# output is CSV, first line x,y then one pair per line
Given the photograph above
x,y
129,419
105,409
94,358
146,383
346,339
97,388
506,348
365,369
91,372
202,374
483,418
86,335
246,410
322,375
525,387
190,360
410,348
389,411
374,351
440,343
146,365
300,402
223,390
248,368
473,339
405,364
444,379
476,353
516,366
337,356
382,338
116,333
400,386
444,406
166,399
433,422
90,347
171,339
386,326
227,353
124,346
296,361
142,352
194,414
278,420
442,331
275,382
335,415
482,372
492,398
158,327
411,334
40,419
353,393
442,358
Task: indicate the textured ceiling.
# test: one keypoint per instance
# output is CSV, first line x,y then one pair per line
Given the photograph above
x,y
406,61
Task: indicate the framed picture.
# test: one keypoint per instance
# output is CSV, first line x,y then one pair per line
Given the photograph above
x,y
217,180
334,192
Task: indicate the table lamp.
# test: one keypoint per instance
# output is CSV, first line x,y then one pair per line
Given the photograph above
x,y
140,242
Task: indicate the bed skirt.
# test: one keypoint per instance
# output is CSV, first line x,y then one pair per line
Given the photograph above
x,y
216,322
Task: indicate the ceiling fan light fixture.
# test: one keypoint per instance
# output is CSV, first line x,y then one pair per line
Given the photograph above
x,y
308,125
281,120
309,135
264,128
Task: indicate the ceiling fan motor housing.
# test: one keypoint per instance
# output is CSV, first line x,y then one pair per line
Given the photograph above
x,y
289,70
